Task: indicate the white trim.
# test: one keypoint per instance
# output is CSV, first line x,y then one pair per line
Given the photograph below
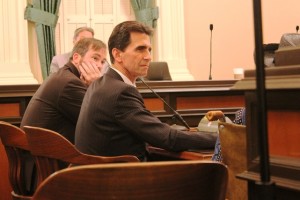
x,y
171,38
14,64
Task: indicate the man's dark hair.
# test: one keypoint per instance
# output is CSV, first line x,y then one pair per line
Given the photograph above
x,y
120,36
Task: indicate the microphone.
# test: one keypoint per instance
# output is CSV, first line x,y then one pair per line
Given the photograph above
x,y
211,27
174,111
297,29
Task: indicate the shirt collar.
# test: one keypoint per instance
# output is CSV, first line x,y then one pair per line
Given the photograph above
x,y
125,79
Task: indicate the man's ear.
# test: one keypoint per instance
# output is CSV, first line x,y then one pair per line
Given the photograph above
x,y
76,58
117,54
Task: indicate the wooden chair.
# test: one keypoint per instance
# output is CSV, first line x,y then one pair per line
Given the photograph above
x,y
16,147
51,149
188,180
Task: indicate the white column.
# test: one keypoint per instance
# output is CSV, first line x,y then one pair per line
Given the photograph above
x,y
170,36
14,56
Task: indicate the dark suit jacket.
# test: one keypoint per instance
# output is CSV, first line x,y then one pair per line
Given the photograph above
x,y
56,104
114,121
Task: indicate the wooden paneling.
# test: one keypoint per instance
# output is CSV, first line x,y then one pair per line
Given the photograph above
x,y
283,116
284,133
14,100
192,99
210,102
154,104
9,110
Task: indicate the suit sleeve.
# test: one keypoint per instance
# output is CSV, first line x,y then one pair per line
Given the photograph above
x,y
133,116
70,100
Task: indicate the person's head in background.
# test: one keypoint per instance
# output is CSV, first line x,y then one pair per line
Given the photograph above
x,y
91,53
82,32
130,49
87,32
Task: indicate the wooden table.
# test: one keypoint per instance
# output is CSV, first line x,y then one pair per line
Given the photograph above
x,y
158,154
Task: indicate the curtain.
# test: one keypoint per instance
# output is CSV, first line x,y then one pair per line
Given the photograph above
x,y
44,14
145,11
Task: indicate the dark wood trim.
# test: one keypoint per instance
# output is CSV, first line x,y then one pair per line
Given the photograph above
x,y
283,115
19,95
187,84
280,182
192,99
18,90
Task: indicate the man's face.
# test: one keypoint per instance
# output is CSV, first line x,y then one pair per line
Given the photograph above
x,y
81,35
97,58
135,59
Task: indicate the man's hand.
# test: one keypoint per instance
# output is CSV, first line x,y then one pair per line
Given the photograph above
x,y
89,72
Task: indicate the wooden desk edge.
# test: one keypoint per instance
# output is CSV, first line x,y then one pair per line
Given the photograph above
x,y
184,155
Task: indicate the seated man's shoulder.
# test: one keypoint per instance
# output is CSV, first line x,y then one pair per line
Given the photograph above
x,y
62,56
59,61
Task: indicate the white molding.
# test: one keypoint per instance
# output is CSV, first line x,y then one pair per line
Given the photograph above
x,y
19,78
102,24
171,39
14,62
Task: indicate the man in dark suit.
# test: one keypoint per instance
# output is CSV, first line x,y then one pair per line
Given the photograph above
x,y
113,119
56,104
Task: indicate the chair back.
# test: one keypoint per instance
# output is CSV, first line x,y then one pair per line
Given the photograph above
x,y
19,160
163,180
158,71
52,149
234,146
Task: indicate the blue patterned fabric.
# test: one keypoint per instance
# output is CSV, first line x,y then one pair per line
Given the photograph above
x,y
217,153
240,117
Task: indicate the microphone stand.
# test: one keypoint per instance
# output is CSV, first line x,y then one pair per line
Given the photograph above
x,y
211,27
176,114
